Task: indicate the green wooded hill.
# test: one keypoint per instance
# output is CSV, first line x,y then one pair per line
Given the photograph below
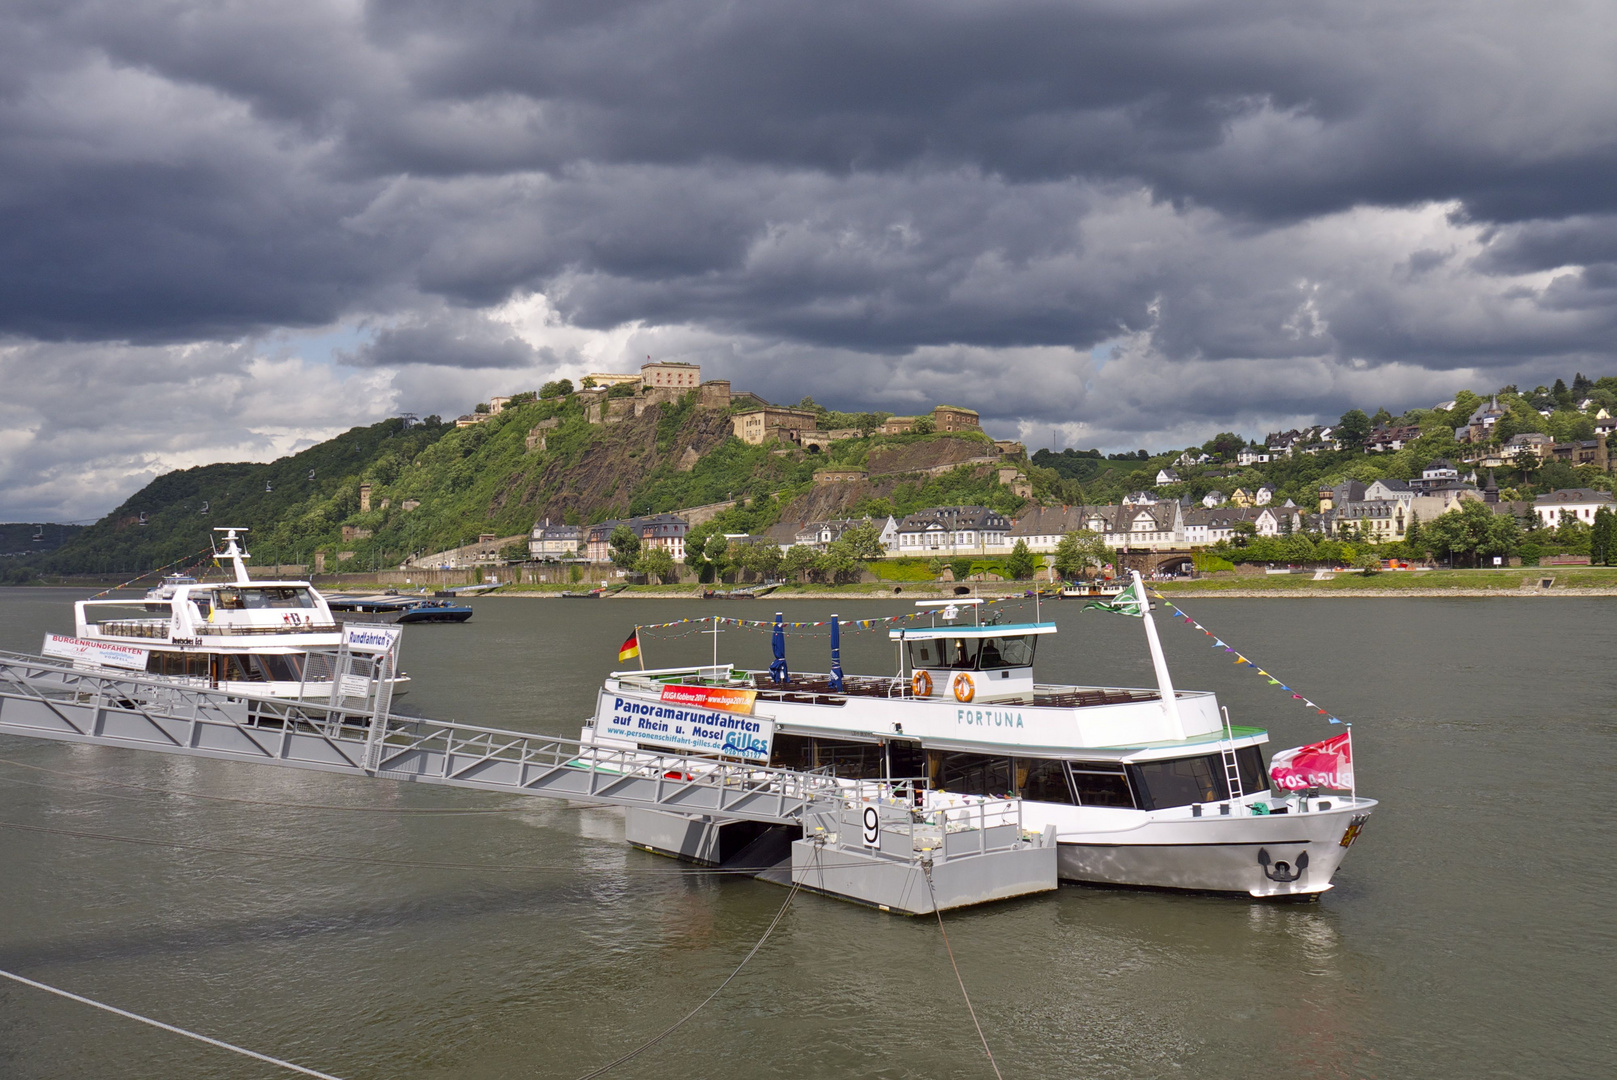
x,y
434,487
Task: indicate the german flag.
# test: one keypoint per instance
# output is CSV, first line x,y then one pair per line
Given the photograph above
x,y
630,647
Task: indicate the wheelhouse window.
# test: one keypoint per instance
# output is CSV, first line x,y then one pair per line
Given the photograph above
x,y
1007,652
973,653
277,598
1101,784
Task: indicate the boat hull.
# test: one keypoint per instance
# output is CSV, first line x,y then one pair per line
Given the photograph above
x,y
1257,855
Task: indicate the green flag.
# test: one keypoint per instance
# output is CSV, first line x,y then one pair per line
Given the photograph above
x,y
1128,602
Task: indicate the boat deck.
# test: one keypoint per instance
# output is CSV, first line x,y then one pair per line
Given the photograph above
x,y
816,689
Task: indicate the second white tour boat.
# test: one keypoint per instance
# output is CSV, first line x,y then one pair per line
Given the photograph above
x,y
261,637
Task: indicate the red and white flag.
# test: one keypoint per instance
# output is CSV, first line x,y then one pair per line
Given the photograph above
x,y
1327,764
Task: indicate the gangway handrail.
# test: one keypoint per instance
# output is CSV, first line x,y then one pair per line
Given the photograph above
x,y
150,712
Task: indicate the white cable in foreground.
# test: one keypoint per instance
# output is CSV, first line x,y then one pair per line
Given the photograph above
x,y
168,1027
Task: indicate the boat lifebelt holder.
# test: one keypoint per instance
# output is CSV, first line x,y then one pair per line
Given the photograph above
x,y
964,688
922,684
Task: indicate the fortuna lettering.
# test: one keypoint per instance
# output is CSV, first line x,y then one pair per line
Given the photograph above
x,y
988,718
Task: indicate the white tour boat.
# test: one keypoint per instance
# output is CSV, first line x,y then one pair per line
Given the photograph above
x,y
268,638
1143,786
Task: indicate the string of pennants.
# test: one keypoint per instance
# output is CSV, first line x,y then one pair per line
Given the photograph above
x,y
849,625
1218,643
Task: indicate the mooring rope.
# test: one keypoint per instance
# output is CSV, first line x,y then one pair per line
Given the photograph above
x,y
671,1028
168,1027
927,866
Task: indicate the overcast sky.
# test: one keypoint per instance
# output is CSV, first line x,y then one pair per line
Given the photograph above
x,y
231,229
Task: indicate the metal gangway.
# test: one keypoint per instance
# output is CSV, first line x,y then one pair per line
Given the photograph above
x,y
48,700
357,734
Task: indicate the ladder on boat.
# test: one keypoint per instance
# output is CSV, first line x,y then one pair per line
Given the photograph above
x,y
1226,750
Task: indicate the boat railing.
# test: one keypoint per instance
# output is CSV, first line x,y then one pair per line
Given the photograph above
x,y
903,819
239,630
134,628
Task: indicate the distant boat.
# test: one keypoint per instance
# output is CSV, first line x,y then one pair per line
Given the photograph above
x,y
1085,590
392,608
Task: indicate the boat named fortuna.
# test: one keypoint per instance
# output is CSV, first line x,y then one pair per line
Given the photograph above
x,y
1146,787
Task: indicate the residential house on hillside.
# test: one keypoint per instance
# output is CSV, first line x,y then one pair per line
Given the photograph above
x,y
1156,525
1583,452
1389,439
1249,456
1139,498
1192,457
550,543
1214,498
951,529
822,534
1570,504
1241,497
1481,424
1264,495
664,531
1167,476
1205,526
1388,489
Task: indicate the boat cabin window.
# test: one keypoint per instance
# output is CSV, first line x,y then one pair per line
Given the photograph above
x,y
1180,782
971,653
1043,780
1183,781
173,663
970,774
844,758
1102,784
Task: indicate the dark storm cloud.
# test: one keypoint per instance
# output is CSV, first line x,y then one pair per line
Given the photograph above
x,y
1247,208
452,338
182,171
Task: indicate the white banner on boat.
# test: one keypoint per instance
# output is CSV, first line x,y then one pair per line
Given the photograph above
x,y
701,731
104,653
371,637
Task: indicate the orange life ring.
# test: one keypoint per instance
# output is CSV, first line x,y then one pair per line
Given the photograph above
x,y
921,684
964,688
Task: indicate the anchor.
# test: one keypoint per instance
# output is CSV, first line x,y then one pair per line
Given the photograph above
x,y
1281,871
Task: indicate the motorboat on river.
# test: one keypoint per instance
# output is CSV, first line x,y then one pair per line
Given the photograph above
x,y
393,608
1143,786
267,638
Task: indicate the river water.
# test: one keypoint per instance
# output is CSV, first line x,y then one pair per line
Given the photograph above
x,y
1469,934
